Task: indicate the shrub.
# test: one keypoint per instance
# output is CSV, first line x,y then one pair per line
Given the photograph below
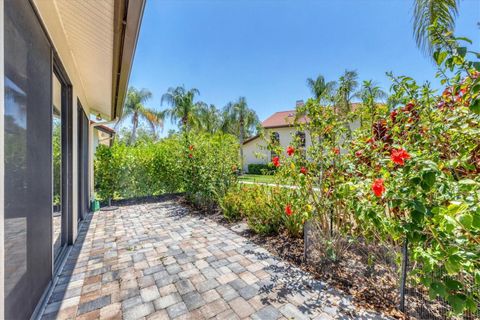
x,y
260,168
152,168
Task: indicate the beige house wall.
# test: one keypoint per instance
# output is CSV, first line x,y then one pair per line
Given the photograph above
x,y
256,151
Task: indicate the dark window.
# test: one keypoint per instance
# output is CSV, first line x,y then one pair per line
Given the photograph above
x,y
300,137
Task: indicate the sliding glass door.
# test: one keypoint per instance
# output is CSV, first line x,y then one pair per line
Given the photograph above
x,y
28,160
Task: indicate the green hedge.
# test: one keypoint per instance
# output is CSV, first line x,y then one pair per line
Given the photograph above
x,y
200,165
260,168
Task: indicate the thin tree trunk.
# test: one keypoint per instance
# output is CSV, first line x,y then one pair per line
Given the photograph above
x,y
134,130
242,137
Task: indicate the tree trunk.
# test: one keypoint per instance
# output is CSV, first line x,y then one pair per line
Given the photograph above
x,y
241,138
134,129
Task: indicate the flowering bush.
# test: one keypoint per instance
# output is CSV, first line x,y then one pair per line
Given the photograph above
x,y
410,175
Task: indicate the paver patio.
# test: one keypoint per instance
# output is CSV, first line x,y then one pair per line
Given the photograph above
x,y
156,261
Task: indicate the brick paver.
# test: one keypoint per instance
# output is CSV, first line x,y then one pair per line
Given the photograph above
x,y
156,261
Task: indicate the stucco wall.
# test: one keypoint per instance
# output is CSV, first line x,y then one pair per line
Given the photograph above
x,y
255,151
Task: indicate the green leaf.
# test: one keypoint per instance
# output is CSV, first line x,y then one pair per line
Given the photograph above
x,y
475,106
440,56
428,180
462,51
453,265
466,220
463,39
437,289
476,65
471,305
457,302
476,221
452,284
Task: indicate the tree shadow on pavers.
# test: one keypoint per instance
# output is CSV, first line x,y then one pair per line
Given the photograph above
x,y
66,274
289,284
174,210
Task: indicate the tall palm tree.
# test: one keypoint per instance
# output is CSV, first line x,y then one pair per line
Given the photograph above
x,y
371,94
209,118
320,88
241,120
183,108
136,110
425,13
346,91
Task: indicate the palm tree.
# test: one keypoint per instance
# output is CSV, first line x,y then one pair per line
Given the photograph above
x,y
425,13
347,86
136,110
320,88
370,95
209,118
183,108
241,120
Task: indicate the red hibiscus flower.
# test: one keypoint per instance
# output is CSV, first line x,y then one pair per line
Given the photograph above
x,y
288,210
290,150
303,170
377,187
399,156
336,150
276,161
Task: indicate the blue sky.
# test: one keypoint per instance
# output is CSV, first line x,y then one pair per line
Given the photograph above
x,y
266,49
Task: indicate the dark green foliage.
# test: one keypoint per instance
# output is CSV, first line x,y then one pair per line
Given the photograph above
x,y
165,166
260,168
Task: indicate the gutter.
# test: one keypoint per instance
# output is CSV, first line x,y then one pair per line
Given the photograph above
x,y
127,21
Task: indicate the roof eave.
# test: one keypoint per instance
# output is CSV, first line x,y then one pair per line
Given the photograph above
x,y
127,21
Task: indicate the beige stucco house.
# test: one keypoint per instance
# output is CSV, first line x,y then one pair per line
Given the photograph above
x,y
280,126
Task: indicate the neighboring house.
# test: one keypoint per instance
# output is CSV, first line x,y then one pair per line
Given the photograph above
x,y
279,127
102,134
60,62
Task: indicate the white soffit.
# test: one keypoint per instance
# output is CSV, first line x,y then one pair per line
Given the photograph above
x,y
89,29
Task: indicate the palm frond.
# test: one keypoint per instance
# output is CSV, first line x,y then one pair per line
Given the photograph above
x,y
425,13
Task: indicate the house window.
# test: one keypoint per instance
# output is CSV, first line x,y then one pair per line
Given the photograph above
x,y
300,139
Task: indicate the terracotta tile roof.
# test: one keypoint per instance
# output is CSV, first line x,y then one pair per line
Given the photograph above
x,y
282,119
287,118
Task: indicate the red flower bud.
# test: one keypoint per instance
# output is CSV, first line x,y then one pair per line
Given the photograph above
x,y
303,170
